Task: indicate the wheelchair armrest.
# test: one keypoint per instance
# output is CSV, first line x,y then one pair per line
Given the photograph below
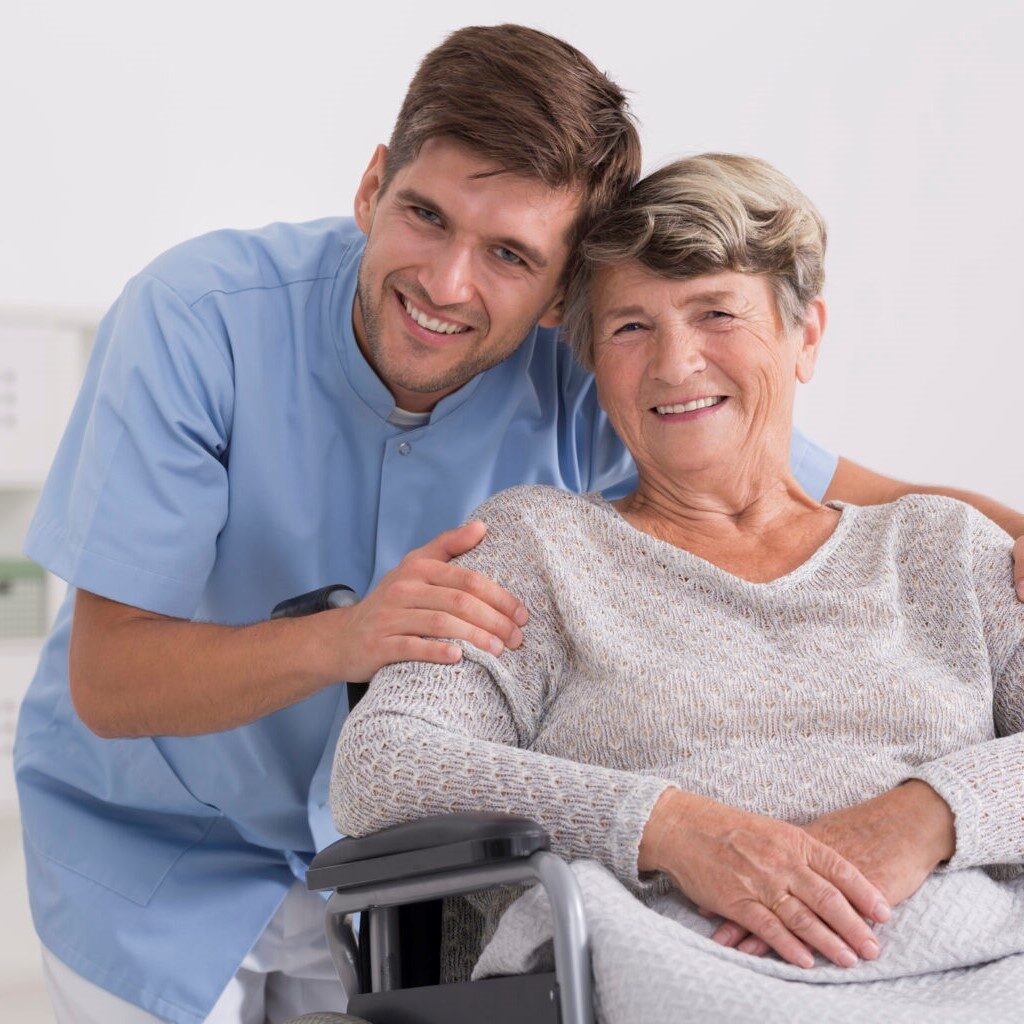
x,y
448,842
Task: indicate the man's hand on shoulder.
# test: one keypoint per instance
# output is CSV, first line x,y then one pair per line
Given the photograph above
x,y
861,486
424,596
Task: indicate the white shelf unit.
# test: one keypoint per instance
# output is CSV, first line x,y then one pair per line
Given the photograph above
x,y
42,360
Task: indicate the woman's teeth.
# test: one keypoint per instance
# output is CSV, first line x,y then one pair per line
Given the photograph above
x,y
700,403
431,323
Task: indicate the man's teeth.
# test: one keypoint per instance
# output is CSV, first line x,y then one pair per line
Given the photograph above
x,y
432,323
700,403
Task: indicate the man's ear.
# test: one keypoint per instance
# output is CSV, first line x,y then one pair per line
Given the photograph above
x,y
369,189
811,332
552,316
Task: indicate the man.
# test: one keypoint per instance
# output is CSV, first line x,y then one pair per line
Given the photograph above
x,y
266,412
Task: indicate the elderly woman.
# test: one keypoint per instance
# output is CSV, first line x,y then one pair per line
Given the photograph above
x,y
793,712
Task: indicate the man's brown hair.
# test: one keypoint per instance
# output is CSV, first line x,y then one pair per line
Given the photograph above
x,y
532,103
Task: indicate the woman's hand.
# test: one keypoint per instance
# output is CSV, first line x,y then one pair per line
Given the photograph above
x,y
896,839
776,880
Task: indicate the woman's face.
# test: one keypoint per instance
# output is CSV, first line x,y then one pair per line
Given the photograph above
x,y
660,345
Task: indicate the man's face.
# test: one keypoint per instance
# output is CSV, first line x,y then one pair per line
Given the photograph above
x,y
460,263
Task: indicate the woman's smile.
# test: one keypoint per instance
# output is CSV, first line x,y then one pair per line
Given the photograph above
x,y
685,412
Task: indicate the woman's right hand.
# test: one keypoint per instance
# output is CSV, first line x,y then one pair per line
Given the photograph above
x,y
774,879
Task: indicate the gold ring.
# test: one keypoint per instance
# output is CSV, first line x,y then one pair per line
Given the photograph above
x,y
774,908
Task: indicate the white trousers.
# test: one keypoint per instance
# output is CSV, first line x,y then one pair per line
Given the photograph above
x,y
286,974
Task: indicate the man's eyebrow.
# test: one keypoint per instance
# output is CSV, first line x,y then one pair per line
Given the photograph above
x,y
527,251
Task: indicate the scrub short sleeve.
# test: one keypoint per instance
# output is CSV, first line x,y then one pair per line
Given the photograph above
x,y
138,492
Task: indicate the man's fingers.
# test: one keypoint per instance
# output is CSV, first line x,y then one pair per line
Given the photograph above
x,y
452,543
414,648
447,627
457,577
471,610
1018,567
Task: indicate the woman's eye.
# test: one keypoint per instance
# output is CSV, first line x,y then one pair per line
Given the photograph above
x,y
631,328
509,257
426,215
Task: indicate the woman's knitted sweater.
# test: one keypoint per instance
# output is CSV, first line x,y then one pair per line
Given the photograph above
x,y
895,651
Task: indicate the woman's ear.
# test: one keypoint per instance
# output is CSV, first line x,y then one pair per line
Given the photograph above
x,y
811,331
552,316
368,193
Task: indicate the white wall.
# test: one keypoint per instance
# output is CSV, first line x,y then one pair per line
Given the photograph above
x,y
130,126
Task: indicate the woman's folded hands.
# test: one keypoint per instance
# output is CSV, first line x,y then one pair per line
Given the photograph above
x,y
896,839
773,880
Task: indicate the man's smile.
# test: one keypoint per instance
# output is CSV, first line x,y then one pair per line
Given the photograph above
x,y
432,329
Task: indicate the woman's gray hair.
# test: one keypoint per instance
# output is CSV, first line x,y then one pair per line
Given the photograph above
x,y
702,215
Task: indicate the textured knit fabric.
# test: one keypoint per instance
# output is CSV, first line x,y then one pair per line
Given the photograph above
x,y
895,651
951,953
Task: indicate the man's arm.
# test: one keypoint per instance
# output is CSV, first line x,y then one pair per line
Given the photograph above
x,y
861,486
136,673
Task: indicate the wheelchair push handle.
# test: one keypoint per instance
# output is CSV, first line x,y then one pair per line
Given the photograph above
x,y
335,596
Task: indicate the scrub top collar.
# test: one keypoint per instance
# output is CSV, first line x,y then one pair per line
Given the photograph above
x,y
361,375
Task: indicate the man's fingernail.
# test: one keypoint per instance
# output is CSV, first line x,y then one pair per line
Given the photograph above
x,y
521,616
882,911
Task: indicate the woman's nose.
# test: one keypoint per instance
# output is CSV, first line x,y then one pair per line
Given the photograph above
x,y
447,277
678,353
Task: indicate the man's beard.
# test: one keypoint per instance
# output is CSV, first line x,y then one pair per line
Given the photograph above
x,y
406,377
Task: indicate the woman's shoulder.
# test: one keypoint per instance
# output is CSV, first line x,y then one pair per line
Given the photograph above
x,y
528,505
937,528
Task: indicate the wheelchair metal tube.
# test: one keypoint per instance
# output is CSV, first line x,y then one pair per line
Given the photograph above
x,y
342,946
571,936
572,939
384,950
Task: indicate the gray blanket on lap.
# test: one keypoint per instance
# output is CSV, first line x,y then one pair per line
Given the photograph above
x,y
953,952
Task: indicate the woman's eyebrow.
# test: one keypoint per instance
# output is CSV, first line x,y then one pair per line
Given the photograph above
x,y
614,314
530,253
719,295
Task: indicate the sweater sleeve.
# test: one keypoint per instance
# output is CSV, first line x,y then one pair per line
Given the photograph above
x,y
984,783
437,739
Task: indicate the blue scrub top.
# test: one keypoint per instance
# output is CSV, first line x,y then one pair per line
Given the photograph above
x,y
230,448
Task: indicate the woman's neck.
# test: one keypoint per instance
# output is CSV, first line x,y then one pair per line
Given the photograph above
x,y
758,529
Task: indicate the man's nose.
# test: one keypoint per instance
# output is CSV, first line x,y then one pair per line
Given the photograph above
x,y
678,353
447,277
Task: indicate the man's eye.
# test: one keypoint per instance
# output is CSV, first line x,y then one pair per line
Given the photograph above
x,y
718,314
428,215
509,257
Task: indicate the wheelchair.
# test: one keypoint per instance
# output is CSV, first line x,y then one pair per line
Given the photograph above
x,y
396,880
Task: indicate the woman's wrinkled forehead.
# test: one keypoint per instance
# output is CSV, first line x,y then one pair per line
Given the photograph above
x,y
632,289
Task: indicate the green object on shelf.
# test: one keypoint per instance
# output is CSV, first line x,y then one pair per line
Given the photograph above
x,y
22,599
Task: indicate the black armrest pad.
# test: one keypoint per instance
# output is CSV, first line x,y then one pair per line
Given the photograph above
x,y
442,843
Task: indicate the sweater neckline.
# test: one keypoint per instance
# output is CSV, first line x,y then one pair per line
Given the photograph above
x,y
661,548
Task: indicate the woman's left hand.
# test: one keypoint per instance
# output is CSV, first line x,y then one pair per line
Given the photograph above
x,y
896,840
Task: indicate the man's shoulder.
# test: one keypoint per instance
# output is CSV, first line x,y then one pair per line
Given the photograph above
x,y
232,260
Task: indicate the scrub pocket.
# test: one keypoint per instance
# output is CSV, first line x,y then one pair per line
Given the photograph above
x,y
122,820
